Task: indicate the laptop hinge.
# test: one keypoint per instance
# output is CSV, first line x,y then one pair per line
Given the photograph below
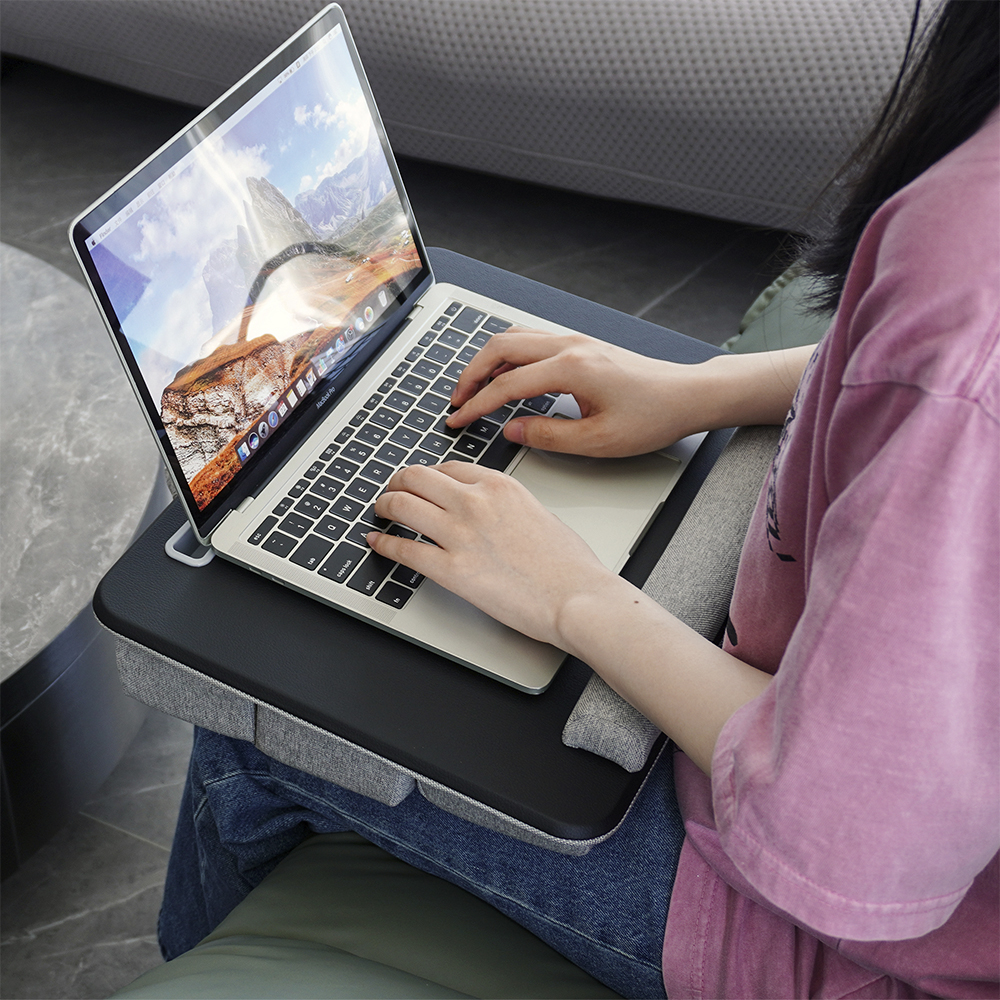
x,y
244,505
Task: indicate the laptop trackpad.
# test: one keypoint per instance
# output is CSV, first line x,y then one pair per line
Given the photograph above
x,y
607,501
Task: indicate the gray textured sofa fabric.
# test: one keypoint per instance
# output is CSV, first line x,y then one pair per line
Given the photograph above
x,y
341,918
739,109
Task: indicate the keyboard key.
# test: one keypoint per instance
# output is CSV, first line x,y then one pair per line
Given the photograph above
x,y
501,415
311,506
391,453
454,369
436,444
361,489
427,369
329,452
326,487
295,524
344,435
481,339
347,509
453,456
540,404
495,325
499,454
404,437
468,319
372,434
311,552
373,400
440,353
385,418
467,354
401,369
453,308
378,472
356,451
470,446
449,432
359,418
414,354
279,544
413,384
452,338
299,488
400,401
419,419
483,428
444,387
406,576
440,323
422,458
371,573
331,527
427,338
314,470
283,507
262,529
357,534
344,559
386,385
402,532
342,469
394,595
434,404
370,517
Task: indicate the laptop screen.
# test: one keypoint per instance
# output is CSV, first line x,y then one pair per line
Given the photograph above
x,y
251,267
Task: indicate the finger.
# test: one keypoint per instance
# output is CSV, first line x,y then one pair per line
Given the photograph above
x,y
423,558
510,349
575,437
546,375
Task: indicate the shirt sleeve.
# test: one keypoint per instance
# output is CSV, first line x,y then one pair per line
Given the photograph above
x,y
859,793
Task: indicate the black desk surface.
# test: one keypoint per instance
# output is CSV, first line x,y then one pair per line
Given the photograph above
x,y
497,745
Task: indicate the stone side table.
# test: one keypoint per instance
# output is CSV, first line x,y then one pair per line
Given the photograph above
x,y
79,477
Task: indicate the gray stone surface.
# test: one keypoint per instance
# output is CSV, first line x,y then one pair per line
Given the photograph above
x,y
77,462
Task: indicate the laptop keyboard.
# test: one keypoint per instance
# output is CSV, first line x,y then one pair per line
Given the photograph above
x,y
321,524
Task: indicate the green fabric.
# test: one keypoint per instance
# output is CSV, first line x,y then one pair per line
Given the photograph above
x,y
780,317
339,917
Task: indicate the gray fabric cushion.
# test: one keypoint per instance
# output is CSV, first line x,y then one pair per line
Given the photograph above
x,y
780,317
693,580
738,110
341,918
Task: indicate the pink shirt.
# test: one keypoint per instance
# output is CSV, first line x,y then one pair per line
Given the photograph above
x,y
847,842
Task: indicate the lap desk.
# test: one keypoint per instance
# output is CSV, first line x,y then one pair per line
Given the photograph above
x,y
319,689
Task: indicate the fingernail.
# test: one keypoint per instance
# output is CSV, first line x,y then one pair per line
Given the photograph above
x,y
514,431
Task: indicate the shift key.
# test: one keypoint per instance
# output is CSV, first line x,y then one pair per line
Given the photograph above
x,y
371,574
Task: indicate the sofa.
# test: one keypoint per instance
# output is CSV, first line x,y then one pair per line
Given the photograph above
x,y
739,109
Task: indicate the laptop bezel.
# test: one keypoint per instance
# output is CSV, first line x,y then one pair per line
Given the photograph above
x,y
252,478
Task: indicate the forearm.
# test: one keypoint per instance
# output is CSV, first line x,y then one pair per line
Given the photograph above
x,y
737,390
681,682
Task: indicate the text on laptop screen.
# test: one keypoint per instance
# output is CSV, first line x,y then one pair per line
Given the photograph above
x,y
247,275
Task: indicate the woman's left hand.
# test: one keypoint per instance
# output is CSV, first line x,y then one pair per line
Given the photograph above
x,y
497,546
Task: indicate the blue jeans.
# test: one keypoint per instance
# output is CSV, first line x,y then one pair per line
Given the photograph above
x,y
242,812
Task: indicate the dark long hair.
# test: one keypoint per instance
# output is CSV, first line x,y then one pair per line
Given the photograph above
x,y
948,84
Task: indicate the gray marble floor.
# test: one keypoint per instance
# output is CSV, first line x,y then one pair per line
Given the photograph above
x,y
79,918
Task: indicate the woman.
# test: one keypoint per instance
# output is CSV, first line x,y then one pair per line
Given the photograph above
x,y
834,826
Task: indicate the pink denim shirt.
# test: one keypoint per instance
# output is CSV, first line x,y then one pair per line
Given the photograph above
x,y
847,842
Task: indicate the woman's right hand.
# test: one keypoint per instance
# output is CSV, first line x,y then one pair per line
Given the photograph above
x,y
629,404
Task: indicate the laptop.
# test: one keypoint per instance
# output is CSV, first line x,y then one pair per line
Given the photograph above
x,y
265,284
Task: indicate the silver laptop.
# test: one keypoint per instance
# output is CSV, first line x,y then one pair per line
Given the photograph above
x,y
265,284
